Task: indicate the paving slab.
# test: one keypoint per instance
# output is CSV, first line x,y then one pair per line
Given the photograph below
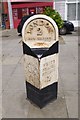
x,y
72,103
14,96
55,109
0,104
0,77
16,80
11,60
7,71
14,104
69,73
79,104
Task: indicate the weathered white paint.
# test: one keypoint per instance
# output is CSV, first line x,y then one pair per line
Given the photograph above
x,y
32,73
48,70
45,18
40,31
41,73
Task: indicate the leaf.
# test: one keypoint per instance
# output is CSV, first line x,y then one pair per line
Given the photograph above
x,y
49,11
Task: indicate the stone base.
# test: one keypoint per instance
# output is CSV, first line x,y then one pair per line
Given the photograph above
x,y
43,96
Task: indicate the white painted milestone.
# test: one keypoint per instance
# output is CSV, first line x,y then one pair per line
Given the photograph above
x,y
40,31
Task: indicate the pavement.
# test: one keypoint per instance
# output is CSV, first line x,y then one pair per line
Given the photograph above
x,y
13,93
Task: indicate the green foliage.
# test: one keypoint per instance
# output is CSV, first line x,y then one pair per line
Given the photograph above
x,y
54,15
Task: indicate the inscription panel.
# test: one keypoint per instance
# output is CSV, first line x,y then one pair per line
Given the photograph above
x,y
48,70
32,73
41,73
39,33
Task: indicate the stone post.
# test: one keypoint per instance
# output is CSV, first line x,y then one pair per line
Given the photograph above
x,y
40,48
